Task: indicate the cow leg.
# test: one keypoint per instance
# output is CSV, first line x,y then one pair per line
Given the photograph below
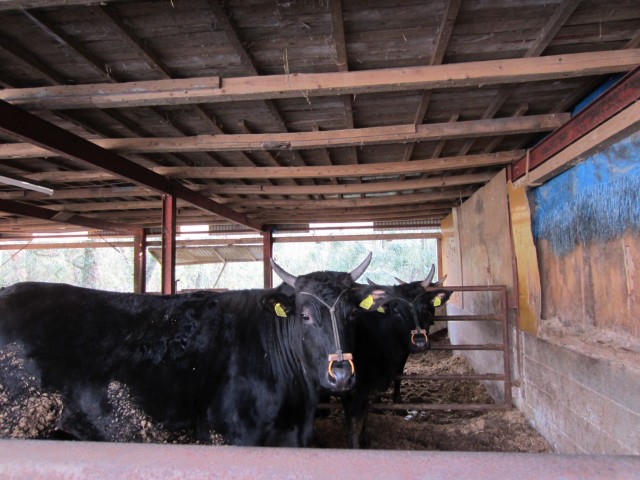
x,y
365,441
354,426
75,424
396,392
355,407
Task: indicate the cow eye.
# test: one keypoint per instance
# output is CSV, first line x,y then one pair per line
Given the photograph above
x,y
306,317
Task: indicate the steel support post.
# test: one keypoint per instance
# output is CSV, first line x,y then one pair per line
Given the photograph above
x,y
168,244
140,261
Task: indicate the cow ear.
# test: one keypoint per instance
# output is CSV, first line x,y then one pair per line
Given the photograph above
x,y
440,297
278,304
372,298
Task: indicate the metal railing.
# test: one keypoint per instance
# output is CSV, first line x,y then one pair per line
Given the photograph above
x,y
505,376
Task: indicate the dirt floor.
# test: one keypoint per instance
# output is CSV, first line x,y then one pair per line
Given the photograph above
x,y
488,431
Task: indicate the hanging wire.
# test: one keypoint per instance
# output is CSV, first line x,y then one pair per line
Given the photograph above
x,y
117,249
11,257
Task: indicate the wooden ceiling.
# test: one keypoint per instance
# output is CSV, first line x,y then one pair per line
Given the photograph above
x,y
258,112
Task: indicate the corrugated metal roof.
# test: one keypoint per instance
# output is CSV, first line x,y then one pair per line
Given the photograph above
x,y
219,254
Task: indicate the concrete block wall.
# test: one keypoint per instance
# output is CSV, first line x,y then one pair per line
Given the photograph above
x,y
578,399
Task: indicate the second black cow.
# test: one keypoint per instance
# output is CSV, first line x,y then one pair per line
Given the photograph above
x,y
394,321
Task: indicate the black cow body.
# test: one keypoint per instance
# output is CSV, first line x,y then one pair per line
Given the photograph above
x,y
225,362
383,341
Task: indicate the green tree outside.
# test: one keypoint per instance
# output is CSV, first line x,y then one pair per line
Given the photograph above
x,y
112,268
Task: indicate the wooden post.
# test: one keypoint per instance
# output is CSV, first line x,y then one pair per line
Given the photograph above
x,y
168,244
140,261
267,249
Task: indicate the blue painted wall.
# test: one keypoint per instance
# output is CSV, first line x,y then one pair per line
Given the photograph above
x,y
595,201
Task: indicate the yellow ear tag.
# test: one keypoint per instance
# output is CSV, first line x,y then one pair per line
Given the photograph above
x,y
279,310
381,309
437,302
367,302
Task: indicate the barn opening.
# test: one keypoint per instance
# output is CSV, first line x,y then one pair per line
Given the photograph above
x,y
510,128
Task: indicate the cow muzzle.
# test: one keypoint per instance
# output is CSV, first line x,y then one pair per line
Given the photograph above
x,y
419,340
341,372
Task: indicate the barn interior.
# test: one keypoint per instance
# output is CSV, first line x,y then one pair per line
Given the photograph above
x,y
508,130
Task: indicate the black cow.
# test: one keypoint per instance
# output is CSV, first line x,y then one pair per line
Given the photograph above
x,y
244,364
394,322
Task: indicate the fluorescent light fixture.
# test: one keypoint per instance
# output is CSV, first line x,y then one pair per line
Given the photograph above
x,y
17,182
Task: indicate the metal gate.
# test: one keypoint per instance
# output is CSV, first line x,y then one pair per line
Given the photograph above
x,y
504,377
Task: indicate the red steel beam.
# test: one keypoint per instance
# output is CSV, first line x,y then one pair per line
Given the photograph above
x,y
267,253
168,244
40,460
29,128
27,210
617,98
140,261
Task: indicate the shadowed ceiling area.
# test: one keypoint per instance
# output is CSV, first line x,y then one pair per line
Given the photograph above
x,y
255,113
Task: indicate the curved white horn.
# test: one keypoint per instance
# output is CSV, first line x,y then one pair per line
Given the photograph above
x,y
284,275
357,272
426,283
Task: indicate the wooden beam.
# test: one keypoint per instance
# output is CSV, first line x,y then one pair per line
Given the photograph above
x,y
82,193
454,194
339,171
445,30
560,15
328,171
363,212
372,187
25,126
20,4
27,57
301,85
27,210
353,217
311,140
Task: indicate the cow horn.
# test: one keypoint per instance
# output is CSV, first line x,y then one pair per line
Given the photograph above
x,y
401,282
284,275
426,283
441,281
357,272
369,281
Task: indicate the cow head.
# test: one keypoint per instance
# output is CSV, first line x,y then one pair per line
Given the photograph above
x,y
411,304
324,302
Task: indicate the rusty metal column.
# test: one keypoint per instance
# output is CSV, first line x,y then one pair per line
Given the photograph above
x,y
168,244
267,252
439,255
140,261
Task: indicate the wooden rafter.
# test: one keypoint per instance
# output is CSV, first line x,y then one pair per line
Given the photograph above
x,y
18,124
371,187
306,140
445,29
560,15
24,209
214,89
333,171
